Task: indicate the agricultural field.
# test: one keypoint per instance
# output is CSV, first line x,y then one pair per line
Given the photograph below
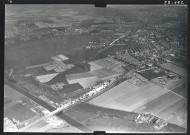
x,y
169,106
181,62
128,67
37,126
110,120
104,73
176,69
137,47
66,129
108,63
87,79
70,88
101,63
78,93
48,124
7,100
152,73
180,87
12,94
147,98
27,53
19,112
84,79
37,71
128,97
60,78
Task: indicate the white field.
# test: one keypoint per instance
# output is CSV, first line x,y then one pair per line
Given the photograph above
x,y
128,97
46,78
85,82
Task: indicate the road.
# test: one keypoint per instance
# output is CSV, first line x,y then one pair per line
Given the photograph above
x,y
68,119
11,72
111,44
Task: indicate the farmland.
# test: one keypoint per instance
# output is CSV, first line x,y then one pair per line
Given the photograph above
x,y
31,51
128,97
96,68
66,129
84,79
89,78
19,112
70,88
12,94
179,87
167,107
110,120
152,73
147,98
176,69
104,73
7,100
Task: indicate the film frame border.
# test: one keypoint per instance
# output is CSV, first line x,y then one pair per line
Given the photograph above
x,y
98,3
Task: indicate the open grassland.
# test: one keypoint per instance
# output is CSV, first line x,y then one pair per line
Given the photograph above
x,y
128,97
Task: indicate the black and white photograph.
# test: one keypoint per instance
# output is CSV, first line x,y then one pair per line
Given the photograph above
x,y
77,68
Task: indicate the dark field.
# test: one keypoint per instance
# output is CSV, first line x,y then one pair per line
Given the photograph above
x,y
33,52
151,74
70,88
58,79
180,87
39,71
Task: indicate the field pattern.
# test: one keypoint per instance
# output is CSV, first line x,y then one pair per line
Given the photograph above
x,y
176,69
128,97
148,98
113,121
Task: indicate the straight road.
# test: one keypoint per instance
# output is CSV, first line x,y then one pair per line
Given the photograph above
x,y
68,119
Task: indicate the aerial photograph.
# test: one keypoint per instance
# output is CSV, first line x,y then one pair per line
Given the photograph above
x,y
73,68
